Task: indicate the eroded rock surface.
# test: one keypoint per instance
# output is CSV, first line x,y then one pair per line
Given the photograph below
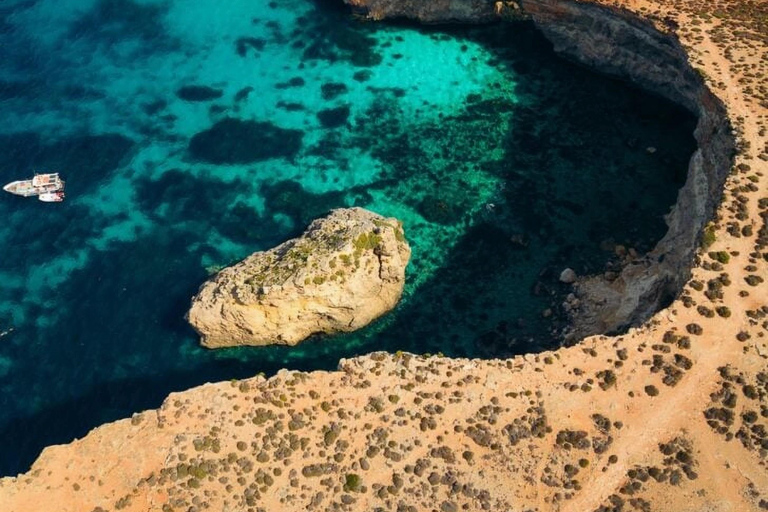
x,y
346,270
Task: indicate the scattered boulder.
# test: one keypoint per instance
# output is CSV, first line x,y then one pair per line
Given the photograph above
x,y
568,276
346,270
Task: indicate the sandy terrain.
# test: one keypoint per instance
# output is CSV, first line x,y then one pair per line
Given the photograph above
x,y
672,416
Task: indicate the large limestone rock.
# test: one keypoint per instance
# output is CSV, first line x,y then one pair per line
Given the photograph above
x,y
345,271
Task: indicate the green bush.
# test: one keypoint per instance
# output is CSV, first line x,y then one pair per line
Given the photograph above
x,y
352,482
721,256
708,236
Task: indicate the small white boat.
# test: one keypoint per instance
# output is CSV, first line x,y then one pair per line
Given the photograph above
x,y
41,184
51,197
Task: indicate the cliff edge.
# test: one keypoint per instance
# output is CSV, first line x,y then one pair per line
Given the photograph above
x,y
346,270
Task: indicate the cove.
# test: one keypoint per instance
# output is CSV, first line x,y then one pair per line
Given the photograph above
x,y
191,136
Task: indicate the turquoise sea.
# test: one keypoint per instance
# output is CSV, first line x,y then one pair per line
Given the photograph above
x,y
192,133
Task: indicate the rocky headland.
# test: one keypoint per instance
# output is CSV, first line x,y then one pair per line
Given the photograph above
x,y
346,270
671,416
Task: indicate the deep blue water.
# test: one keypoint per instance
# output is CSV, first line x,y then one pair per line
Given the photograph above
x,y
192,134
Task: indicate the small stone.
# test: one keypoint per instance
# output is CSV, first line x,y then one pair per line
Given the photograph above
x,y
568,276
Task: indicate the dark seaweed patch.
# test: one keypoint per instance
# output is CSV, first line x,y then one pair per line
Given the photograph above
x,y
362,76
198,93
79,92
241,223
178,196
439,210
15,89
397,92
233,141
216,110
154,107
290,106
243,44
290,198
330,35
296,81
243,93
332,90
334,117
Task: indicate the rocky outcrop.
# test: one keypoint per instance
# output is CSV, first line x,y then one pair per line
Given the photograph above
x,y
618,43
346,270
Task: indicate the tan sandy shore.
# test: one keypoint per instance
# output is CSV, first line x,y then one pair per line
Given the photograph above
x,y
672,416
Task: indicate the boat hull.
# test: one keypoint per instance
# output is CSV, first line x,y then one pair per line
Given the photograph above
x,y
40,184
51,197
22,188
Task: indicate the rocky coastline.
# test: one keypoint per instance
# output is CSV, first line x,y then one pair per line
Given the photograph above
x,y
670,416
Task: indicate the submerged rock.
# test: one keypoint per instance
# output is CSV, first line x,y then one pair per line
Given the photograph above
x,y
346,270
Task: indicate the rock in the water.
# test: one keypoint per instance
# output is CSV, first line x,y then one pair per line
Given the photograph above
x,y
346,270
568,276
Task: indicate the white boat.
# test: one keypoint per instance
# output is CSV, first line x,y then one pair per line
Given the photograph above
x,y
51,197
40,184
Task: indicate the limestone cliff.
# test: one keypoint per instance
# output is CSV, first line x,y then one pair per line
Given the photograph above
x,y
618,43
346,270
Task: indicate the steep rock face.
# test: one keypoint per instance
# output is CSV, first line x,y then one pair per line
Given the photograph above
x,y
618,43
346,270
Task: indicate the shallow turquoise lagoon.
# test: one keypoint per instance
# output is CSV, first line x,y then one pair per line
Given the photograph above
x,y
194,133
